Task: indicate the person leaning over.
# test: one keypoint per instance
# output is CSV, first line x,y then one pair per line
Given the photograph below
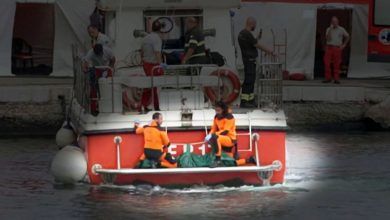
x,y
156,143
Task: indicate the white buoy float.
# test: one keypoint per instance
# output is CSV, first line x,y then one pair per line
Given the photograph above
x,y
65,136
69,165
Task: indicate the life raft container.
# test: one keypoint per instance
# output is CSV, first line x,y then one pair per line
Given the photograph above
x,y
235,86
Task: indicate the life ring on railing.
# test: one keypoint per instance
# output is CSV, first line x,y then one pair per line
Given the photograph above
x,y
131,98
230,92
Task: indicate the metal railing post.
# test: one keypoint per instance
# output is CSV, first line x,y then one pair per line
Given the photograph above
x,y
118,141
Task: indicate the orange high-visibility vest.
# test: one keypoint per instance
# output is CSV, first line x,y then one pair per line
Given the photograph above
x,y
155,137
224,125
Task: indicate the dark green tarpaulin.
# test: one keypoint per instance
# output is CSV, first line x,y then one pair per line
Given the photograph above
x,y
191,160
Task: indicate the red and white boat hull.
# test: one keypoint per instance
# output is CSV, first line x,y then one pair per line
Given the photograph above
x,y
102,155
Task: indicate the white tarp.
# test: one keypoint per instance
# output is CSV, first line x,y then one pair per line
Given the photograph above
x,y
7,13
300,22
71,27
358,65
71,20
222,42
298,19
171,4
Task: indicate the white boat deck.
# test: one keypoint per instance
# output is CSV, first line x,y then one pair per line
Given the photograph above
x,y
41,89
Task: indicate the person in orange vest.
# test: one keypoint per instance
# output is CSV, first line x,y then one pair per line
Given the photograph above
x,y
223,136
156,143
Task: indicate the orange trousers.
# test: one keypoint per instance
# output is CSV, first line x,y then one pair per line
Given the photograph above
x,y
226,141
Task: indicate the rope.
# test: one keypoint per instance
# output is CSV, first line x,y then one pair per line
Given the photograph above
x,y
204,122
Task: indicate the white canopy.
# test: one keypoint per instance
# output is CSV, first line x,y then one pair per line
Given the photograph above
x,y
171,4
300,22
71,20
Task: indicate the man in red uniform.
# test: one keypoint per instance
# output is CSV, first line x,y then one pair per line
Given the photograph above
x,y
337,39
152,60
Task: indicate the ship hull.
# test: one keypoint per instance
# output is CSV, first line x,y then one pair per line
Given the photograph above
x,y
102,152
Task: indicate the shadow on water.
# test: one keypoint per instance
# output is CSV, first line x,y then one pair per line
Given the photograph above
x,y
338,175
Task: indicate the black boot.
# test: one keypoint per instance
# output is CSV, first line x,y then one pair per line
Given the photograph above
x,y
146,110
254,103
251,160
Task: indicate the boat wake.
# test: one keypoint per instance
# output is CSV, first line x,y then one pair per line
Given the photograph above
x,y
197,189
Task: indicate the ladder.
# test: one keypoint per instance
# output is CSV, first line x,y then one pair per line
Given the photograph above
x,y
269,83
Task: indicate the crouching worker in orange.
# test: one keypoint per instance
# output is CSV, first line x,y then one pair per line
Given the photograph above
x,y
156,143
223,136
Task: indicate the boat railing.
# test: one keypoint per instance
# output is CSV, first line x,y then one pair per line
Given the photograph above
x,y
264,172
113,93
269,85
101,90
80,84
196,84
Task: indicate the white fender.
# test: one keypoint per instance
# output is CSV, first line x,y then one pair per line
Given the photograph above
x,y
69,165
65,136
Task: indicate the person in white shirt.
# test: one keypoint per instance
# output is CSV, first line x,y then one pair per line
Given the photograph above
x,y
337,39
97,37
98,56
152,59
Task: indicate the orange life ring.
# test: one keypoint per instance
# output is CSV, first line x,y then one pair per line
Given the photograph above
x,y
235,82
131,99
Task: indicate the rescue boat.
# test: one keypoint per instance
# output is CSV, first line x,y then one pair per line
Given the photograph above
x,y
112,149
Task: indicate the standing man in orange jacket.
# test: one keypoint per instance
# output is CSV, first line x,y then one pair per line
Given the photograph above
x,y
156,143
223,136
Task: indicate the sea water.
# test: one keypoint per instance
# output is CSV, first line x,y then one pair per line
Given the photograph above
x,y
343,175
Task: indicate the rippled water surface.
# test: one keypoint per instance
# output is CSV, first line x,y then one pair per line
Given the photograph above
x,y
330,176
